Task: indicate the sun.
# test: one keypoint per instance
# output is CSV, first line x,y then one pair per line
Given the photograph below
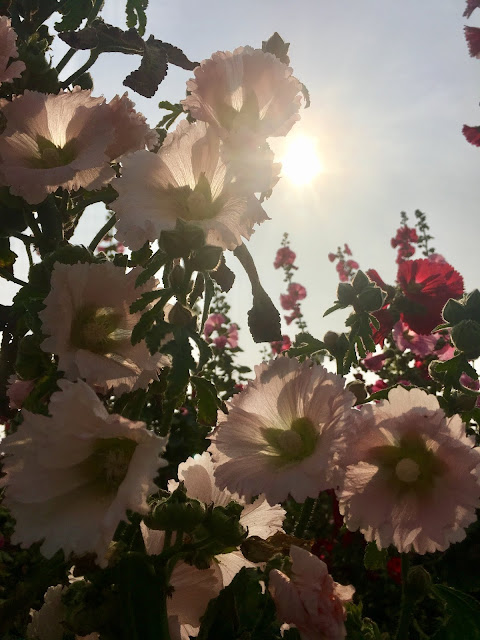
x,y
301,163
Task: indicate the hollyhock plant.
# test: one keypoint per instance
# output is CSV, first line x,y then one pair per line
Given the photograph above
x,y
427,286
185,179
309,599
410,474
259,518
247,95
277,437
66,140
88,325
71,476
10,68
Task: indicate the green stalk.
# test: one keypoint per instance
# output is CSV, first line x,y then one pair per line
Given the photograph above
x,y
85,67
305,516
103,231
8,276
407,604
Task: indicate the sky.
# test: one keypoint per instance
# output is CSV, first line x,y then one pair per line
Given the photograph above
x,y
391,85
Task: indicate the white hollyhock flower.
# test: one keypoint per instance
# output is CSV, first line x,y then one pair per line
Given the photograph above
x,y
282,432
89,325
47,623
186,179
9,67
71,477
259,518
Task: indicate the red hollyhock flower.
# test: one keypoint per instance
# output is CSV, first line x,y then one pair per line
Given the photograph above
x,y
386,321
332,257
297,291
293,316
284,257
375,277
428,285
472,34
472,134
279,346
470,8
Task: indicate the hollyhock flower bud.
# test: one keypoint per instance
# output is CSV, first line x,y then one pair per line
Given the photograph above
x,y
9,67
277,436
310,599
466,337
410,474
71,476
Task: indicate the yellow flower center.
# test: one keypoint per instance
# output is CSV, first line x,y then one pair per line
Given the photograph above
x,y
97,330
289,446
49,155
107,466
407,470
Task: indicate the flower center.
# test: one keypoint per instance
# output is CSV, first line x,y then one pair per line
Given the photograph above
x,y
97,329
108,465
407,470
197,203
409,466
50,156
291,445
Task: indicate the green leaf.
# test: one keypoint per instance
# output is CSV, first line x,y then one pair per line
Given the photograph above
x,y
330,310
141,256
263,318
374,557
154,264
135,11
104,37
463,613
147,298
207,400
74,12
152,70
306,345
182,361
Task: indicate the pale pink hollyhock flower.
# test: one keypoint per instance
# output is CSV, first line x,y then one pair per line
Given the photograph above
x,y
66,140
71,477
8,50
53,141
310,599
411,474
186,179
89,325
278,436
18,390
259,518
421,344
47,623
132,132
247,94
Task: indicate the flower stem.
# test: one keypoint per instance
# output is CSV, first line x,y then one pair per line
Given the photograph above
x,y
8,276
103,231
85,67
305,516
407,603
66,59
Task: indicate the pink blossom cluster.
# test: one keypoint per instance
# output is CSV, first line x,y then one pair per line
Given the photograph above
x,y
226,335
346,268
403,239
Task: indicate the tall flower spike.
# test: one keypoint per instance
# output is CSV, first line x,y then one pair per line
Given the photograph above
x,y
9,67
410,474
185,179
278,436
89,325
71,477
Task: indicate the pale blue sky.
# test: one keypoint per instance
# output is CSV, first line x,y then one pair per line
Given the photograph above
x,y
391,85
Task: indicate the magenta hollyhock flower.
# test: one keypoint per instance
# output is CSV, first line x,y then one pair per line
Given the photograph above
x,y
309,598
213,323
374,362
410,474
428,285
282,345
9,67
472,134
277,437
470,8
472,35
285,256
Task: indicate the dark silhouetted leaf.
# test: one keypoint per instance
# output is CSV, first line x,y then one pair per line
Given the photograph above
x,y
104,37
